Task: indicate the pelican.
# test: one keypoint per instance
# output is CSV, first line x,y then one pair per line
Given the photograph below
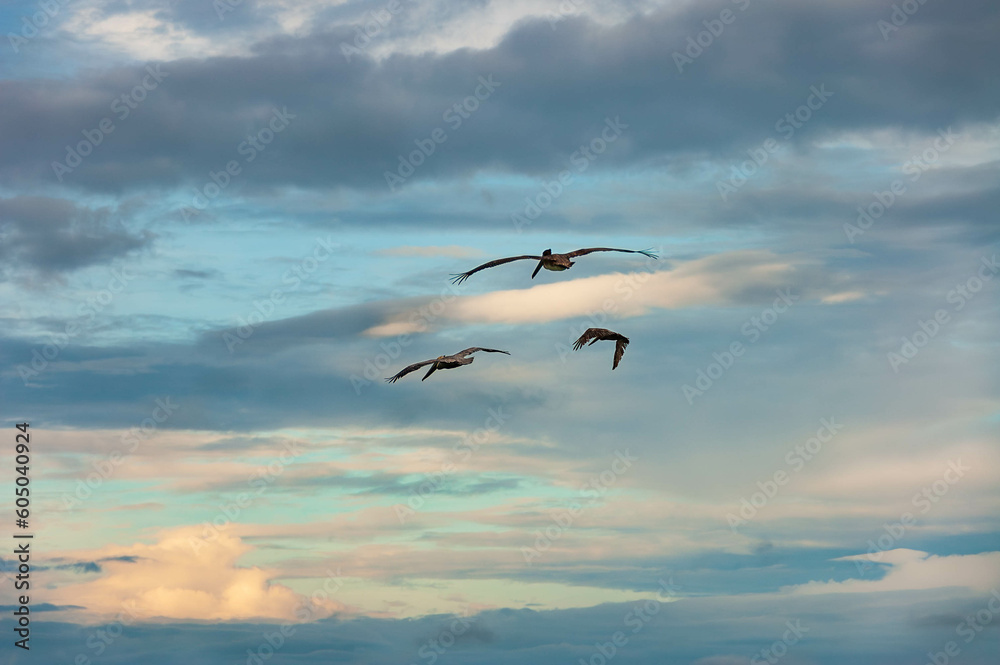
x,y
443,362
597,334
548,260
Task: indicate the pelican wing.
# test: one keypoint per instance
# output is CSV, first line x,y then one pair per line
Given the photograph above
x,y
458,278
581,252
620,345
592,335
479,348
409,368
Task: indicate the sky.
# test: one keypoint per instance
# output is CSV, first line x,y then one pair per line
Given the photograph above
x,y
223,224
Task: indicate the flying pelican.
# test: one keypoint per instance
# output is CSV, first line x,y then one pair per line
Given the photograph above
x,y
596,334
443,362
548,260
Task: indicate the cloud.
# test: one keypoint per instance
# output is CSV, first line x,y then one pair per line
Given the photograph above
x,y
184,576
369,113
843,296
725,279
910,570
186,273
367,449
862,629
56,235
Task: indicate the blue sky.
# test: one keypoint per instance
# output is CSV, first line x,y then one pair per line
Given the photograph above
x,y
205,273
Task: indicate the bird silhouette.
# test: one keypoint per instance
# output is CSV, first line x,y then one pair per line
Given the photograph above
x,y
548,260
443,362
597,334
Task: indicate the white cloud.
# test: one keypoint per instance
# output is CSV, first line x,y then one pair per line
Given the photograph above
x,y
148,34
724,279
910,569
143,35
184,576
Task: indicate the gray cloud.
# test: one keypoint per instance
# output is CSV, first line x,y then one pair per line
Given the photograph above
x,y
56,235
196,274
856,628
557,87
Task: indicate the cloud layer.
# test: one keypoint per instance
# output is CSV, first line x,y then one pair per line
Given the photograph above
x,y
220,231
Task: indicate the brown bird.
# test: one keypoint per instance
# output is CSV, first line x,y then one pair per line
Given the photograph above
x,y
443,362
548,260
596,334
